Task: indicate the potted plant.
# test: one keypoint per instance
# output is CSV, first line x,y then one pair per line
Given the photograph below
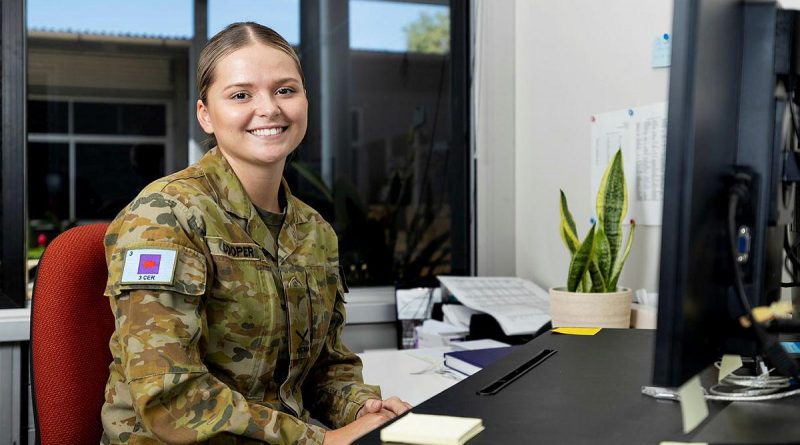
x,y
592,297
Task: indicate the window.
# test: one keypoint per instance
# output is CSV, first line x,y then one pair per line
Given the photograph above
x,y
107,100
397,26
113,17
385,158
87,160
379,156
281,15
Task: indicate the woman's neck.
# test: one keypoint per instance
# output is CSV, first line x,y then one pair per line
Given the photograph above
x,y
261,183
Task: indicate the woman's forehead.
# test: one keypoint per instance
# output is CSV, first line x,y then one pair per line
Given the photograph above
x,y
256,62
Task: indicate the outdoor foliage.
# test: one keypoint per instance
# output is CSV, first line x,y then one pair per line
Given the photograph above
x,y
429,34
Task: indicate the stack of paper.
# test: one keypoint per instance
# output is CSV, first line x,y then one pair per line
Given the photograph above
x,y
427,429
519,306
434,333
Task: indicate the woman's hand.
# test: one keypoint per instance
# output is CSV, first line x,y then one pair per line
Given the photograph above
x,y
359,427
373,414
393,404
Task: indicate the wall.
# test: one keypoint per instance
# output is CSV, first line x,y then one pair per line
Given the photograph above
x,y
575,58
493,111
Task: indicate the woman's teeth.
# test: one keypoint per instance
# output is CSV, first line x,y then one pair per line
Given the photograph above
x,y
267,131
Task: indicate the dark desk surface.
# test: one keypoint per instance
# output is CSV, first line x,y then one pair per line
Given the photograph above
x,y
588,392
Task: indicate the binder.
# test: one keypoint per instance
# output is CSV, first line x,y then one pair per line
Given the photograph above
x,y
471,361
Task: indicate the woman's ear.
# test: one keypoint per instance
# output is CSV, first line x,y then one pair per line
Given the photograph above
x,y
204,118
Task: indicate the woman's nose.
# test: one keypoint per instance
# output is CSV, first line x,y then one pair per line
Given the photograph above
x,y
267,106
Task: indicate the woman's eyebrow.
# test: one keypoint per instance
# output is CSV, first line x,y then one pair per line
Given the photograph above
x,y
238,85
287,80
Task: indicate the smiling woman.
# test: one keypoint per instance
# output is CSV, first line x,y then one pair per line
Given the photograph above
x,y
226,288
253,103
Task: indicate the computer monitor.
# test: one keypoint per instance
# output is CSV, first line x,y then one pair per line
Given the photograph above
x,y
728,115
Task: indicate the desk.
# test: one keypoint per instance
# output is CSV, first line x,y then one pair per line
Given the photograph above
x,y
414,375
588,392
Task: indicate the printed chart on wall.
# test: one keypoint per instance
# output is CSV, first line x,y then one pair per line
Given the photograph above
x,y
641,132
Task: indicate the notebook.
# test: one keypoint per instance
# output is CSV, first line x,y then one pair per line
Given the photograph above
x,y
428,429
472,361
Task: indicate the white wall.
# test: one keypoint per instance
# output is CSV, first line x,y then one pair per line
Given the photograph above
x,y
571,59
493,111
575,58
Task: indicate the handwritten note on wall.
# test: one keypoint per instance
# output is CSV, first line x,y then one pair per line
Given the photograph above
x,y
641,132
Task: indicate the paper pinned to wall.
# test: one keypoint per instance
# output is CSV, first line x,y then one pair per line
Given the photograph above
x,y
641,132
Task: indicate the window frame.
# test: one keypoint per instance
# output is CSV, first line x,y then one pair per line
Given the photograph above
x,y
72,139
13,104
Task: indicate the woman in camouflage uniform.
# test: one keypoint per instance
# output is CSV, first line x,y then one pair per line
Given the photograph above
x,y
226,288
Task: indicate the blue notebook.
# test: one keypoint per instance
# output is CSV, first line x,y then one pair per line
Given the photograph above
x,y
471,361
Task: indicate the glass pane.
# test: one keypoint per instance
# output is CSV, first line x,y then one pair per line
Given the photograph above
x,y
47,117
174,17
389,180
108,176
399,26
281,15
48,182
120,119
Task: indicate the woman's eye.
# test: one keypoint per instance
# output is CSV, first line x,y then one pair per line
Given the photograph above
x,y
239,96
285,90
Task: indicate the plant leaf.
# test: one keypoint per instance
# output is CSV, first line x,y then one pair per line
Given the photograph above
x,y
569,234
612,203
602,256
571,243
580,261
598,282
586,283
621,260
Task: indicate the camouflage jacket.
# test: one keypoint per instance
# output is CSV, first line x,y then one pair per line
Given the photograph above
x,y
199,323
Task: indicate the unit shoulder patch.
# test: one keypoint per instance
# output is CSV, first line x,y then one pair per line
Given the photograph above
x,y
149,266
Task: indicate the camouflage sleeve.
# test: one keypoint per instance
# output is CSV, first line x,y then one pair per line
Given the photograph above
x,y
161,328
335,390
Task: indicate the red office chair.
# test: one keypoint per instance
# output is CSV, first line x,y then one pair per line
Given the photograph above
x,y
71,323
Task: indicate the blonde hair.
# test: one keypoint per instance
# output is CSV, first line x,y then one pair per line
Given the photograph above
x,y
234,37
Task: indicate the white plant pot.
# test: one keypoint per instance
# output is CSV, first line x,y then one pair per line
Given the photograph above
x,y
591,310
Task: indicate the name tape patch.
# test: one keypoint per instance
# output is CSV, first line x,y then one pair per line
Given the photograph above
x,y
149,266
235,250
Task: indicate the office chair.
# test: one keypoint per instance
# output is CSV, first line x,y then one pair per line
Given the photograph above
x,y
71,324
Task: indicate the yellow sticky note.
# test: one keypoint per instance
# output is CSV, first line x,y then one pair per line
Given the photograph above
x,y
730,363
577,331
693,404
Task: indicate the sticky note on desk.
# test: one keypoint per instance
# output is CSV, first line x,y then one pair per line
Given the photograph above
x,y
429,429
693,404
577,331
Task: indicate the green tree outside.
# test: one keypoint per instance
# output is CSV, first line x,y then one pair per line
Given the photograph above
x,y
429,34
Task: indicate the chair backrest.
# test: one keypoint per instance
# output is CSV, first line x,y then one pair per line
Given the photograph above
x,y
71,324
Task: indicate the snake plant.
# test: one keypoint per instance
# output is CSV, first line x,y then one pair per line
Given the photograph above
x,y
597,260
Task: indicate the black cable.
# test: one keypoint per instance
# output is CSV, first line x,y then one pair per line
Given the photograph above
x,y
770,346
737,191
790,255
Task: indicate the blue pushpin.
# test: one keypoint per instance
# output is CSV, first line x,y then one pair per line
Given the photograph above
x,y
666,36
630,112
592,220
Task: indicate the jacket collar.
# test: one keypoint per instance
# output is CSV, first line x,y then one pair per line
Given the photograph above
x,y
232,197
